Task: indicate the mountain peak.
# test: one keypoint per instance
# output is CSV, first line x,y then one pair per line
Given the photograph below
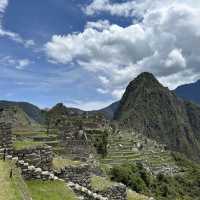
x,y
155,111
146,75
142,89
145,79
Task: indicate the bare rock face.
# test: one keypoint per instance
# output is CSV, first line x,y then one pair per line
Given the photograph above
x,y
158,113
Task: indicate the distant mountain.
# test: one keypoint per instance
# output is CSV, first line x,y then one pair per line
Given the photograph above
x,y
109,111
61,109
17,118
31,110
155,111
190,92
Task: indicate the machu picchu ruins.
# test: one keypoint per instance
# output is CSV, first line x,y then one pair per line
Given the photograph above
x,y
99,100
87,153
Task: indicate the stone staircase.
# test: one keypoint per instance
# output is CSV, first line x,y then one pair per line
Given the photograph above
x,y
37,173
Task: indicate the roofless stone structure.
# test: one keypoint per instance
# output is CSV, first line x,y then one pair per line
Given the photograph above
x,y
5,135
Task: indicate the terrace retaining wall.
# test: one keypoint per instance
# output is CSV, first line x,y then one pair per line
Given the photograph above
x,y
41,157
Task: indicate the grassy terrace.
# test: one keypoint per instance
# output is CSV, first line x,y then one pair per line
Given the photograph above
x,y
16,189
121,150
59,162
100,183
26,144
30,133
12,189
135,196
49,190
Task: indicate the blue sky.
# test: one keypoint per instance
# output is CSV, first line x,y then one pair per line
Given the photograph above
x,y
84,52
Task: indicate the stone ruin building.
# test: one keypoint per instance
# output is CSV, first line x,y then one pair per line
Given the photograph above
x,y
76,143
5,136
78,139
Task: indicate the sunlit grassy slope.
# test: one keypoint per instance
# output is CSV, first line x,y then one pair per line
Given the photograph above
x,y
11,188
56,190
135,196
16,189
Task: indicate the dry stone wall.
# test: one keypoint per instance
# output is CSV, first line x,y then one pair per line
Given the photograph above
x,y
81,175
76,144
41,157
76,174
6,136
117,192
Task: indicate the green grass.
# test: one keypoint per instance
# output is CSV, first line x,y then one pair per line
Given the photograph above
x,y
30,133
27,144
60,162
100,183
50,190
135,196
12,189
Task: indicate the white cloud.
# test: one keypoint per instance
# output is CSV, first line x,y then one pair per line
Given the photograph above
x,y
99,25
3,5
88,105
102,91
19,64
9,34
165,42
126,9
175,59
23,63
117,93
132,8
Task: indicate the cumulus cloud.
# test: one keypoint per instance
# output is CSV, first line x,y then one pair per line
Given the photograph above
x,y
131,8
175,58
99,25
165,42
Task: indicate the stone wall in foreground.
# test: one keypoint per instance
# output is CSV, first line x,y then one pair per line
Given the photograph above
x,y
5,136
117,192
76,174
82,175
41,157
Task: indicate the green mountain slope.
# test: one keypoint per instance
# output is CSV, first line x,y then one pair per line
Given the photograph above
x,y
109,111
31,110
158,113
17,118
